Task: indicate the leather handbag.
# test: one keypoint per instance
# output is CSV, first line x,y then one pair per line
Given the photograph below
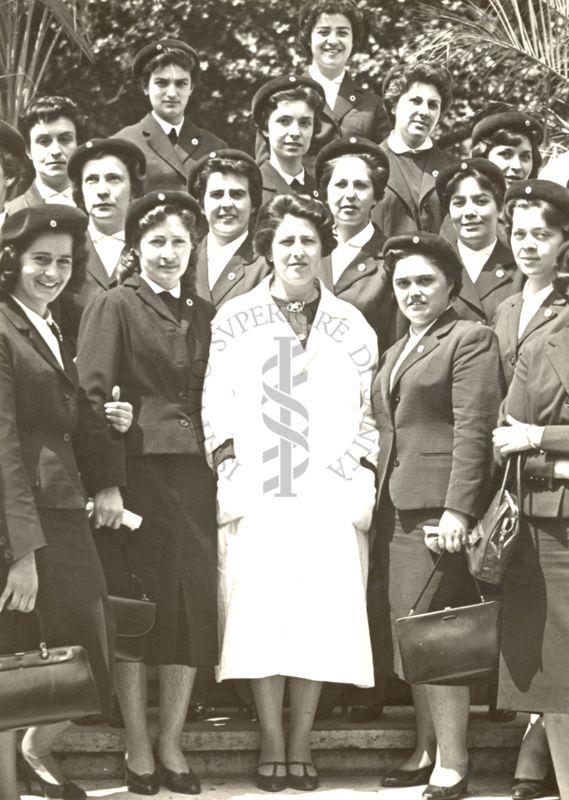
x,y
49,684
450,645
492,540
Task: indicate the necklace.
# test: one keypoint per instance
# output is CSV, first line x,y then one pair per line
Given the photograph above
x,y
296,306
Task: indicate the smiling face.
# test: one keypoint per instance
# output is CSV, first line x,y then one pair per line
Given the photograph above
x,y
350,195
534,244
51,145
227,205
296,253
474,214
105,187
331,42
289,130
417,113
421,289
164,252
169,89
46,267
515,161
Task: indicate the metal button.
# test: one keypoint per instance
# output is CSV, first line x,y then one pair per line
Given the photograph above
x,y
435,173
361,267
353,140
231,276
416,240
89,145
352,98
161,196
66,437
195,141
397,398
182,396
500,273
513,360
302,336
396,462
183,423
528,190
53,223
189,302
420,348
315,193
548,312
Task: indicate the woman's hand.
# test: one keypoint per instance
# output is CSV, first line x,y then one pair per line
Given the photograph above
x,y
119,414
21,586
453,530
516,437
108,508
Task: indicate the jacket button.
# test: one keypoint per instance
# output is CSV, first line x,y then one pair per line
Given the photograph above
x,y
548,312
513,360
231,276
66,437
8,554
183,423
396,462
182,396
361,267
500,273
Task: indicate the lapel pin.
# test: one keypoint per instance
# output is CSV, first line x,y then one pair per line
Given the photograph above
x,y
420,348
500,273
195,141
361,267
548,312
53,223
435,173
352,98
189,302
231,276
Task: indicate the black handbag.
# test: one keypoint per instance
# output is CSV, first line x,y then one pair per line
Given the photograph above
x,y
450,645
134,619
492,540
49,684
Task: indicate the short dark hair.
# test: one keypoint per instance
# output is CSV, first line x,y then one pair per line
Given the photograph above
x,y
275,211
319,7
401,78
554,217
47,109
508,138
136,182
496,189
11,164
306,93
11,264
180,58
130,262
561,271
451,269
230,166
377,173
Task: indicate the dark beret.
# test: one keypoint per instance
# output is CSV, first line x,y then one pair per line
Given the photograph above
x,y
44,218
487,168
138,208
425,244
280,85
227,152
307,8
350,146
121,148
160,47
537,189
516,121
12,140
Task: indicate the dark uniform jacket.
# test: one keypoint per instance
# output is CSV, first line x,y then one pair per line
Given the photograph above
x,y
128,337
274,184
435,425
243,272
399,212
500,278
167,165
48,433
553,315
365,285
539,395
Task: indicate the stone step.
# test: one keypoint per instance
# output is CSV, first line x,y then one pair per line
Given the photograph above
x,y
227,745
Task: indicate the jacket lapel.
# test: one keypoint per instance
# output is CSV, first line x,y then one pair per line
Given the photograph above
x,y
348,97
162,146
95,266
363,264
428,343
557,353
233,273
547,312
397,182
469,294
498,270
430,173
149,296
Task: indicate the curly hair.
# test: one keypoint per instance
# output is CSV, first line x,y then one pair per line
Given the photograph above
x,y
274,212
401,78
553,216
180,58
319,7
496,188
451,269
48,109
505,137
311,97
11,262
130,261
229,166
376,171
137,183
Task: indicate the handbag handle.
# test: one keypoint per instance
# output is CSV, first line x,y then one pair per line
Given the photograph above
x,y
131,570
432,575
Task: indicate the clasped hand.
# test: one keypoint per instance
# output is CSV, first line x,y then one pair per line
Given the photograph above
x,y
119,414
515,437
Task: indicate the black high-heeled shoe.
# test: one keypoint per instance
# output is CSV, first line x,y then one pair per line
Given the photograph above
x,y
183,782
149,783
64,791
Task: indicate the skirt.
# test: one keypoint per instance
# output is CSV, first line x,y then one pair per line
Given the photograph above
x,y
72,598
400,567
173,556
534,660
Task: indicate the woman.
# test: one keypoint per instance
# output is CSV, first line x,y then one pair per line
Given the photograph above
x,y
352,174
435,400
509,139
472,193
289,433
47,433
535,625
536,216
286,112
414,95
151,334
228,186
